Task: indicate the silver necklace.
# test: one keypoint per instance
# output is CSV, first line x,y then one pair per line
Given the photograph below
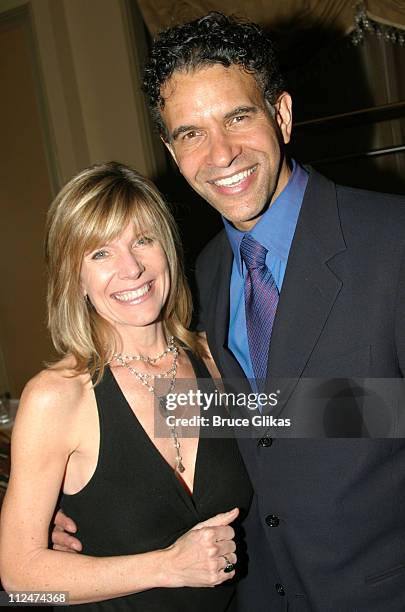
x,y
144,380
145,377
171,348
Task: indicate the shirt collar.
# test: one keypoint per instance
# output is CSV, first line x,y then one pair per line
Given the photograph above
x,y
275,228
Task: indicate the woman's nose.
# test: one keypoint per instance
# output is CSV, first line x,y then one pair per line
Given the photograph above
x,y
130,266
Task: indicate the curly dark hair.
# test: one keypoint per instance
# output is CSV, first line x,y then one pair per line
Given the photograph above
x,y
212,39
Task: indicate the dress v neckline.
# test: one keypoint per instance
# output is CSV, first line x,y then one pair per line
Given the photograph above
x,y
191,495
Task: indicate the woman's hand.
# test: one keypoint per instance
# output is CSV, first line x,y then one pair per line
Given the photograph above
x,y
198,558
61,538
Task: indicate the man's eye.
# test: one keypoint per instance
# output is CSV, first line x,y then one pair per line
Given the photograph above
x,y
101,254
143,241
190,135
239,118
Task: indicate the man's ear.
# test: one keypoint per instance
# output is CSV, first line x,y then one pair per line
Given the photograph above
x,y
283,116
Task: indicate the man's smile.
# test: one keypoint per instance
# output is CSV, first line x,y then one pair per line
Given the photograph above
x,y
234,179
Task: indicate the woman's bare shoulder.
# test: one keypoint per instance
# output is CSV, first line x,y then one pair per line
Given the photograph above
x,y
51,410
58,385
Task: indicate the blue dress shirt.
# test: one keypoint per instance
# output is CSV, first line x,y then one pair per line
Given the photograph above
x,y
275,231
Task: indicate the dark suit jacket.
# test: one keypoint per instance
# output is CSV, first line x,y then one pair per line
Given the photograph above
x,y
334,539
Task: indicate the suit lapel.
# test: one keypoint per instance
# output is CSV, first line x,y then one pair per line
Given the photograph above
x,y
310,288
219,315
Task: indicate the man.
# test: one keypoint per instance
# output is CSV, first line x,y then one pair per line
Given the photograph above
x,y
326,530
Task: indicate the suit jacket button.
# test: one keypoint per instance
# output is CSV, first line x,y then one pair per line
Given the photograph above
x,y
280,589
265,442
272,520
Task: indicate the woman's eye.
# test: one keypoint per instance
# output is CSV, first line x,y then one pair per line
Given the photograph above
x,y
143,241
101,254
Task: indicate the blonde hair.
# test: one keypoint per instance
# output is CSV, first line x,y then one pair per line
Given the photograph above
x,y
90,211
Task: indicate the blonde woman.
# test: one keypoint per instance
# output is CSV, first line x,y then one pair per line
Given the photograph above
x,y
154,514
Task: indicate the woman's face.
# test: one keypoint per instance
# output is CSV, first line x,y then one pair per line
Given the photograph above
x,y
127,280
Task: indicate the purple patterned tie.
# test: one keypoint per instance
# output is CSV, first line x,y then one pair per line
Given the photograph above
x,y
261,299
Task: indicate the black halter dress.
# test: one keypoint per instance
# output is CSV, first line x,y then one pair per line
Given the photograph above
x,y
134,502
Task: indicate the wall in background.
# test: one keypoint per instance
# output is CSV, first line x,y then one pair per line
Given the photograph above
x,y
70,80
25,192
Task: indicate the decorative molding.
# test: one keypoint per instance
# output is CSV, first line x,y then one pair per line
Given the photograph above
x,y
365,24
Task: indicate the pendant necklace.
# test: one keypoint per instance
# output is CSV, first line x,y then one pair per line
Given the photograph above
x,y
146,379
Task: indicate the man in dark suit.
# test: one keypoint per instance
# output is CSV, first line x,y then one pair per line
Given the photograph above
x,y
327,528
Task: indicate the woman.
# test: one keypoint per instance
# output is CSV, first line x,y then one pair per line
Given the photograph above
x,y
154,514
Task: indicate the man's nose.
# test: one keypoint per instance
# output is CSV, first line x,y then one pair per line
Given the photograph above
x,y
130,265
223,149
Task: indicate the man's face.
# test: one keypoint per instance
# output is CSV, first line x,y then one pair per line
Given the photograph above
x,y
225,141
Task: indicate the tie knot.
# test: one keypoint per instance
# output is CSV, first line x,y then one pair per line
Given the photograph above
x,y
253,253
